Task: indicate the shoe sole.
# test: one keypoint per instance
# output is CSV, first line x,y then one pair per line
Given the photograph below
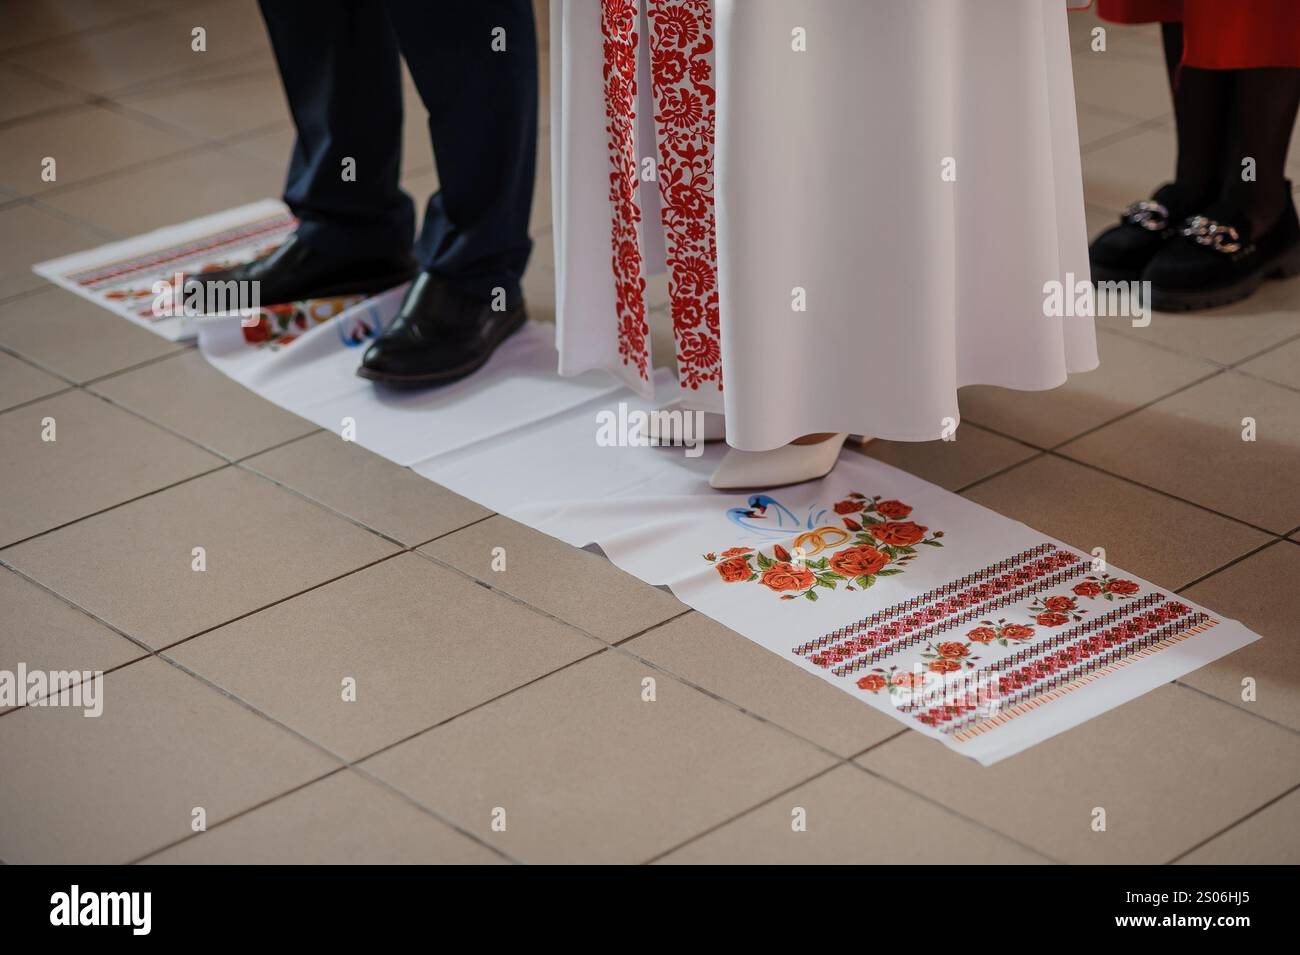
x,y
1285,265
445,377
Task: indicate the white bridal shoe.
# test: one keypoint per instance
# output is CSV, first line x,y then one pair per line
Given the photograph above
x,y
791,464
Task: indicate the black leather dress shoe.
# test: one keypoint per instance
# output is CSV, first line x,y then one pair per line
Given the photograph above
x,y
439,335
1121,252
293,273
1216,261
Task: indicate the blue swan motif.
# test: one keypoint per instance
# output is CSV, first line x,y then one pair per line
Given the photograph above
x,y
769,518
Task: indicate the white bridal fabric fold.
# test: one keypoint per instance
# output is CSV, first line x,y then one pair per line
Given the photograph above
x,y
970,628
909,169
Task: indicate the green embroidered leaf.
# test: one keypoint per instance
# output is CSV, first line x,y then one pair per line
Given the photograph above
x,y
888,573
810,595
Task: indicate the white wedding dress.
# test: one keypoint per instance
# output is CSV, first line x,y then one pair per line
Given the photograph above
x,y
865,199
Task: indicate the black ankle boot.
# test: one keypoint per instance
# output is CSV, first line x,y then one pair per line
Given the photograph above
x,y
1121,252
1216,261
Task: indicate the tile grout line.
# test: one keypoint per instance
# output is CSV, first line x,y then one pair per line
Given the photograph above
x,y
243,812
49,112
37,400
345,763
157,651
983,825
1120,135
75,606
115,173
1240,709
1051,448
430,811
278,601
73,382
108,27
850,761
144,363
595,652
1037,455
708,830
1214,373
1174,497
1232,563
1236,365
4,548
1233,825
1054,452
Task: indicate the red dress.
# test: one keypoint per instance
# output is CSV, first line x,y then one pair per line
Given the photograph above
x,y
1222,34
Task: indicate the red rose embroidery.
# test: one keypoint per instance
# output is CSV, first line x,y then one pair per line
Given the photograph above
x,y
858,561
847,507
1124,587
894,510
872,682
734,570
944,665
1017,631
1051,619
784,576
898,533
1059,604
258,333
1087,589
982,635
953,650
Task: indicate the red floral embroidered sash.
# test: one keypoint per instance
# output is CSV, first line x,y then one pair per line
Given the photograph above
x,y
681,62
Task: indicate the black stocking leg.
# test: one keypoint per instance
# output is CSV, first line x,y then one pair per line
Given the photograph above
x,y
1263,113
1171,36
1202,99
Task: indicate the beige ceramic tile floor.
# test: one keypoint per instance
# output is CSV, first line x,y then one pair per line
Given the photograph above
x,y
485,698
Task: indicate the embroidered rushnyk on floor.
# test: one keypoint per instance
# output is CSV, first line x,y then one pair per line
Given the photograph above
x,y
968,627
